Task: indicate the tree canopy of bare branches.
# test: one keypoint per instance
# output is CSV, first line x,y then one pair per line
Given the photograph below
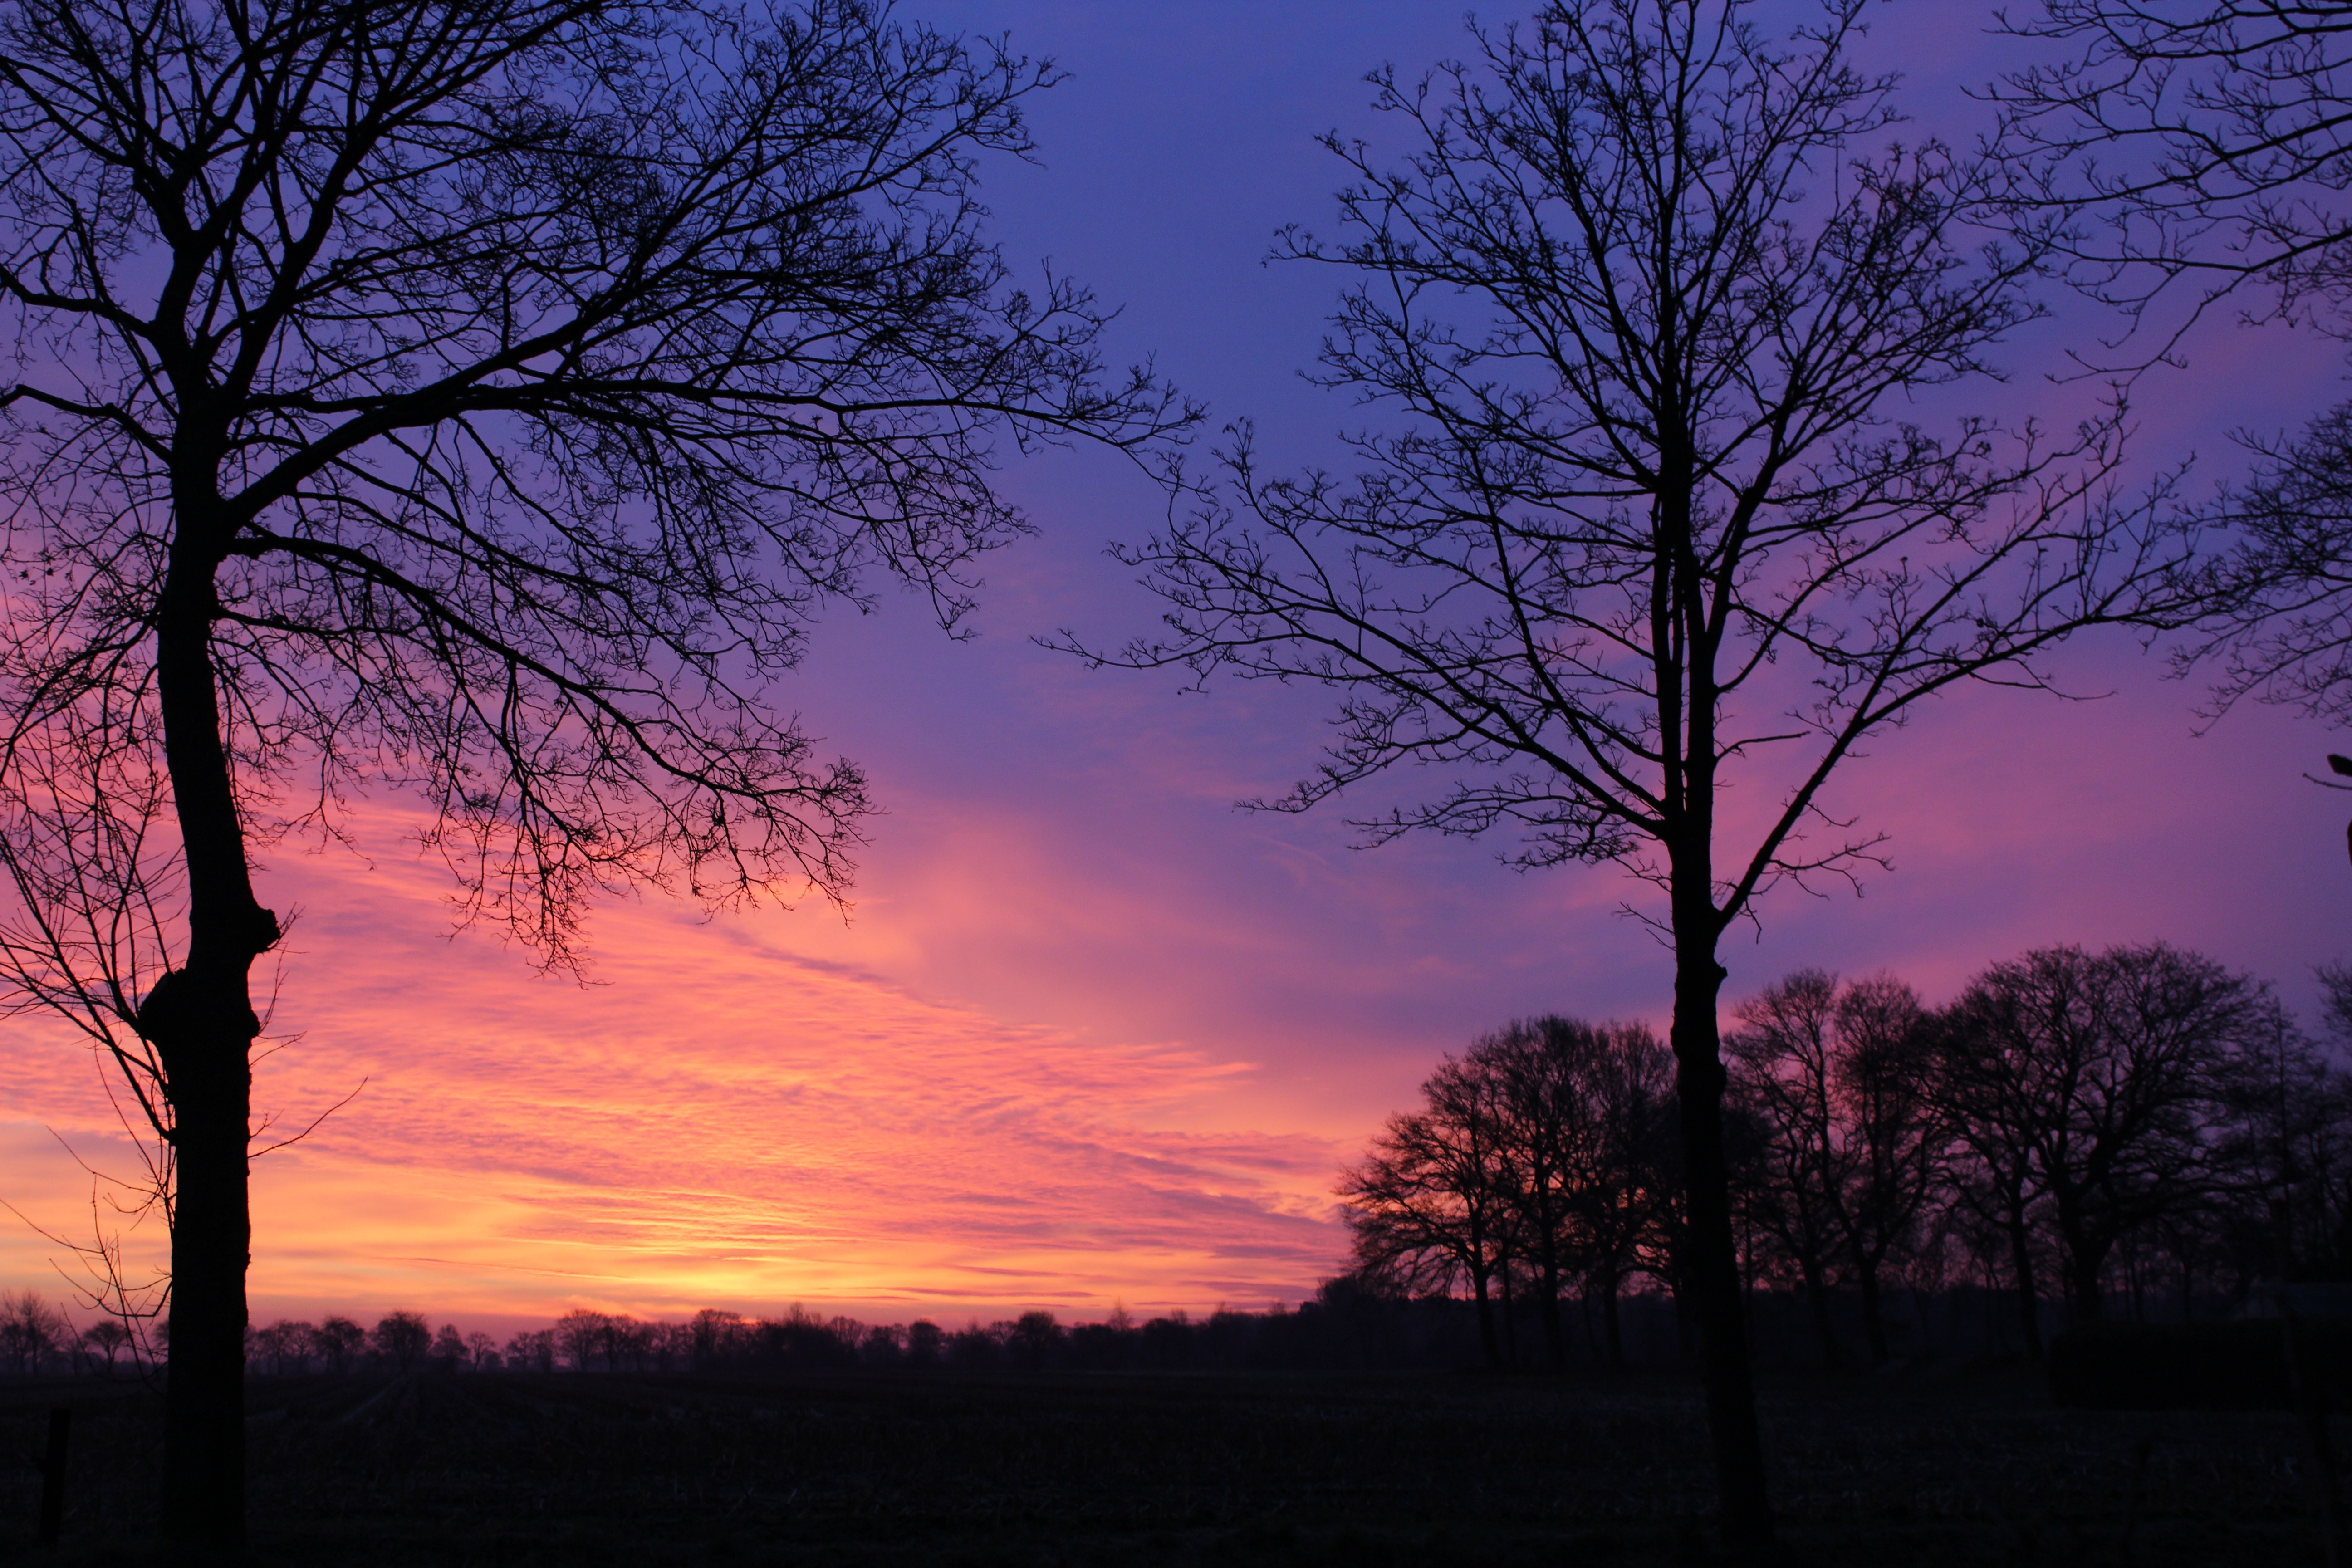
x,y
1543,1154
1647,295
1429,1206
2193,151
2188,142
2141,1132
1839,1080
482,400
2091,1082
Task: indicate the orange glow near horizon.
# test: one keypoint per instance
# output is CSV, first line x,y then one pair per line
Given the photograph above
x,y
716,1122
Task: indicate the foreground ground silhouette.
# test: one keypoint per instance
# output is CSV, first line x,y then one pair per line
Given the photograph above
x,y
878,1469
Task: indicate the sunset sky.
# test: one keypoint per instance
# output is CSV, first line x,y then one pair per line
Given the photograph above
x,y
1088,1033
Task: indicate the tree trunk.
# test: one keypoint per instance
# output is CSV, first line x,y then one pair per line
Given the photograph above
x,y
1611,1329
1817,1300
2082,1270
1555,1331
201,1018
1486,1341
1711,1265
2029,1293
1874,1312
1510,1318
2080,1262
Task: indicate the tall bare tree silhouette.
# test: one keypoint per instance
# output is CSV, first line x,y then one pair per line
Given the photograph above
x,y
1652,300
481,399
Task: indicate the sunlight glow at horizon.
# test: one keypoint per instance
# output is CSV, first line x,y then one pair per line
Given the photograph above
x,y
714,1123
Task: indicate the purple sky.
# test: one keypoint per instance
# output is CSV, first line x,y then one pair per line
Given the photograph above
x,y
1170,1018
1182,141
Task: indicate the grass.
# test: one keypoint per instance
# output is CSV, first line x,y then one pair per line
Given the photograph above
x,y
956,1468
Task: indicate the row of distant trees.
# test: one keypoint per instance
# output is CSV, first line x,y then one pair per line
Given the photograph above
x,y
36,1336
1344,1324
2141,1129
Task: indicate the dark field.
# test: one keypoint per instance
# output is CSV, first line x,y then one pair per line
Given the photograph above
x,y
1078,1469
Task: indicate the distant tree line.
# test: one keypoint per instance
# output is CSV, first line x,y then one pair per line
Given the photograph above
x,y
1349,1323
2139,1132
37,1337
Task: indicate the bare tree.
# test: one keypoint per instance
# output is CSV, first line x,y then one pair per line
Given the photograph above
x,y
580,1338
532,1350
287,1343
401,1338
1782,1061
1623,1181
1584,1155
626,1339
2092,1081
29,1329
714,1337
108,1338
1989,1102
1885,1077
1429,1204
1651,303
483,400
2284,1112
1537,1156
338,1342
1531,1064
1839,1082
